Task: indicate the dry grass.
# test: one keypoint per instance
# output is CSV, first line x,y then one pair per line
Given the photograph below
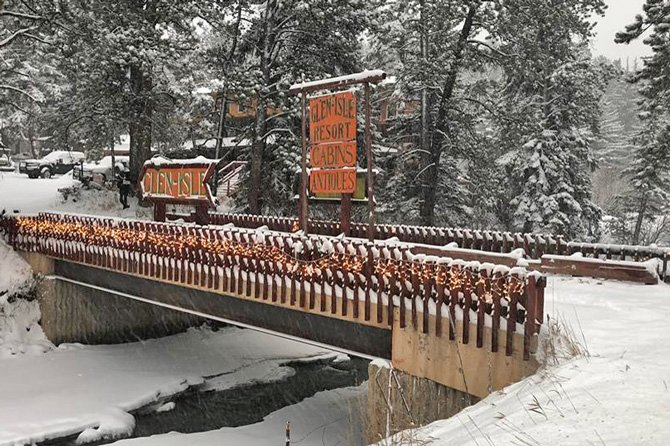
x,y
561,343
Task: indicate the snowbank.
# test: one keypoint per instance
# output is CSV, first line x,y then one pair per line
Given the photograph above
x,y
20,332
619,395
16,276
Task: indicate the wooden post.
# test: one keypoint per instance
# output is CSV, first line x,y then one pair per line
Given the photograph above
x,y
345,214
304,210
368,149
201,215
159,211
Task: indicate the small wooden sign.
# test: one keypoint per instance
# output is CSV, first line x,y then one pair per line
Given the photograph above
x,y
332,118
359,194
338,154
332,181
178,181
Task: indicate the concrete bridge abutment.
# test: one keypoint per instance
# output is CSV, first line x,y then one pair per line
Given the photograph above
x,y
76,313
432,377
399,401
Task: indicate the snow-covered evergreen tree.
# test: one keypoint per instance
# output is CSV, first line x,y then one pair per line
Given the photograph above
x,y
650,171
433,50
29,80
551,96
124,63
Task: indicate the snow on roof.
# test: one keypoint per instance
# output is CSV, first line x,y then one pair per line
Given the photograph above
x,y
356,77
384,149
231,141
389,80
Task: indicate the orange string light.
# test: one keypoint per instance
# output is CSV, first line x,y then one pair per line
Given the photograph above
x,y
201,247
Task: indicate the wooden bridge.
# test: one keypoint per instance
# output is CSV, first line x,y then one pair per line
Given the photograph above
x,y
468,325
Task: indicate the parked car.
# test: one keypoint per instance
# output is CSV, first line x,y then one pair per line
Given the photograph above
x,y
57,162
100,171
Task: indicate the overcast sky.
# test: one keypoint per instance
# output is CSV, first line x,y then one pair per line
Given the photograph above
x,y
619,14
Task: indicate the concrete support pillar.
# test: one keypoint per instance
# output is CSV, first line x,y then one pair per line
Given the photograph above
x,y
75,313
398,401
40,263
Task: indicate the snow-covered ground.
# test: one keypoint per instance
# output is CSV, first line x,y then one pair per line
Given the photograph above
x,y
18,193
618,395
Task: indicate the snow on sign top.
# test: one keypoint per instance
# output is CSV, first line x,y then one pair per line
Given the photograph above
x,y
162,161
340,81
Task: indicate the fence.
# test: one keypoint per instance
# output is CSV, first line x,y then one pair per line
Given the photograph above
x,y
301,271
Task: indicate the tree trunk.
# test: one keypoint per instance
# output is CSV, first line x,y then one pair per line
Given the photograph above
x,y
425,181
640,219
31,140
441,128
260,126
140,124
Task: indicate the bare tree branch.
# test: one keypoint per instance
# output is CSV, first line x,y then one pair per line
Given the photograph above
x,y
20,15
18,90
18,33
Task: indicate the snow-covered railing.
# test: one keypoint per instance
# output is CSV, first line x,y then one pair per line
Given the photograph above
x,y
303,272
534,245
229,177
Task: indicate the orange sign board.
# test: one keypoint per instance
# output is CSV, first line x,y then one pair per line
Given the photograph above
x,y
332,181
338,154
176,182
332,118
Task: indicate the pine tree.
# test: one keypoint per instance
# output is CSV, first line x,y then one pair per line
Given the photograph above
x,y
29,81
552,90
432,49
123,63
650,171
613,147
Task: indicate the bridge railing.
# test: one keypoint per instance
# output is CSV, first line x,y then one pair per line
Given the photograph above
x,y
534,245
312,273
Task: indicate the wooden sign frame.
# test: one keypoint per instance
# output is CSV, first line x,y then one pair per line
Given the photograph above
x,y
365,78
202,205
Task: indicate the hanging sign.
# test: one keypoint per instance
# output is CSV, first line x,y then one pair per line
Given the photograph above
x,y
332,118
332,181
332,129
178,181
338,154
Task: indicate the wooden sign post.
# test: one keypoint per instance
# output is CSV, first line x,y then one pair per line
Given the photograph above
x,y
165,181
332,129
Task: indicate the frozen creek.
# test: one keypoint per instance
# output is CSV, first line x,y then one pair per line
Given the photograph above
x,y
202,409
